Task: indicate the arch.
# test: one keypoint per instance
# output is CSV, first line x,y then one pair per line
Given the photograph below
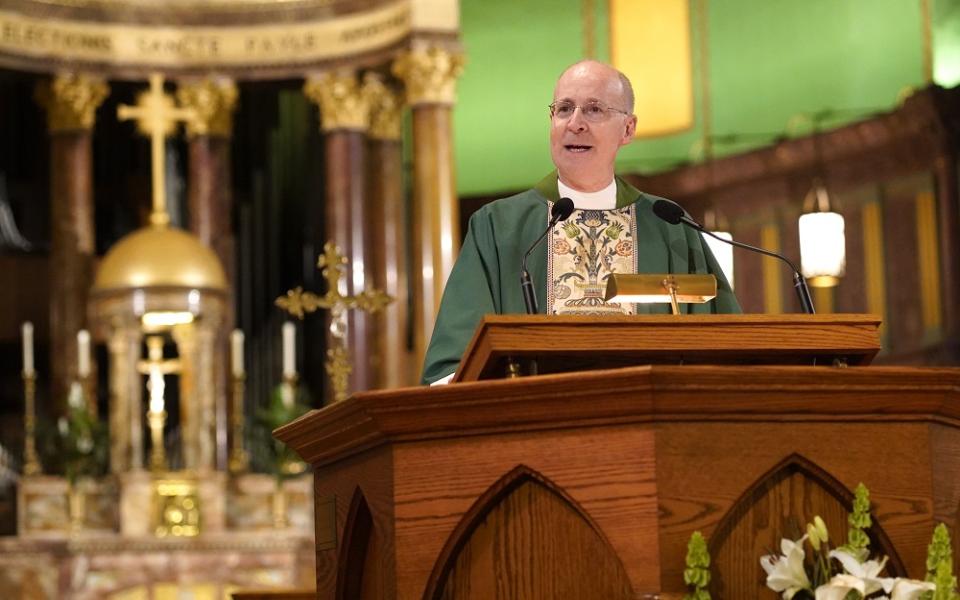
x,y
521,515
777,505
357,534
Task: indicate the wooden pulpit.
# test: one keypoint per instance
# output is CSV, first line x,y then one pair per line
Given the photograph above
x,y
588,484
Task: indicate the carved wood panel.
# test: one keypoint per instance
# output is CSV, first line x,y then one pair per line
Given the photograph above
x,y
534,544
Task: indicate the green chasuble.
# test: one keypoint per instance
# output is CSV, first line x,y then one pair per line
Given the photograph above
x,y
486,277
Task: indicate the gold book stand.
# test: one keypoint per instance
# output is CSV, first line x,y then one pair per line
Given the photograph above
x,y
655,289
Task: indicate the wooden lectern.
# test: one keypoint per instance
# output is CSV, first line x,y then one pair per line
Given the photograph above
x,y
588,484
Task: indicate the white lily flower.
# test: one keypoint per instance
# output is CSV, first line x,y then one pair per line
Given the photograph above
x,y
868,571
838,587
911,589
786,573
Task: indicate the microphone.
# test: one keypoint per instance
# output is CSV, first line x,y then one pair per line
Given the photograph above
x,y
673,213
561,211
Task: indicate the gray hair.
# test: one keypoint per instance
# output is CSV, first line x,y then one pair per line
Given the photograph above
x,y
627,90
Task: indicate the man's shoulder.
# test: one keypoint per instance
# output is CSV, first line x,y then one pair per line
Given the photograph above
x,y
512,205
628,195
645,199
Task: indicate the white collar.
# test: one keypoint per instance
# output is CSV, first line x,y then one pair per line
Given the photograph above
x,y
605,199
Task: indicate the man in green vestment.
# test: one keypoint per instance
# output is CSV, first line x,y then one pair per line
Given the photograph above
x,y
612,229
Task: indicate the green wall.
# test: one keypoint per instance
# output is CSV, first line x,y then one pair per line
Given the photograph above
x,y
770,61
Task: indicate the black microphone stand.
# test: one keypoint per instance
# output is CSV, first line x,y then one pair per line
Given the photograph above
x,y
561,211
799,283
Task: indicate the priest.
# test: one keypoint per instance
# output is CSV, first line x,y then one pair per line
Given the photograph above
x,y
611,230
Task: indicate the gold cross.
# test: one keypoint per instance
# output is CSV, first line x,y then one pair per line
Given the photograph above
x,y
157,117
155,363
156,367
332,264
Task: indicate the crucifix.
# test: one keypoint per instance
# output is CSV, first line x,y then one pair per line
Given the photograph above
x,y
155,367
157,117
332,263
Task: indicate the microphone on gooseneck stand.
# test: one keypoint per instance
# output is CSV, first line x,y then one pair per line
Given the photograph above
x,y
561,211
672,213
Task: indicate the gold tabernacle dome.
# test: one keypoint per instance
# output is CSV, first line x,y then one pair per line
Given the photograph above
x,y
160,256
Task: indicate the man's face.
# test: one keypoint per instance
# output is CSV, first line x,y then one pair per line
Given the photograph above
x,y
584,151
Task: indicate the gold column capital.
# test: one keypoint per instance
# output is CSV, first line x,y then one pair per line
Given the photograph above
x,y
385,106
213,101
430,74
341,100
71,101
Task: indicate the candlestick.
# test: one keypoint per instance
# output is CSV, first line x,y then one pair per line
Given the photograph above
x,y
289,351
27,330
239,458
31,464
236,352
288,389
83,353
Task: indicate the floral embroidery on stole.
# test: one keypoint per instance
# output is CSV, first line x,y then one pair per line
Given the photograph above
x,y
584,251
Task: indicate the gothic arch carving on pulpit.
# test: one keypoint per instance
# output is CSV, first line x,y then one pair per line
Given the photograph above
x,y
521,519
352,574
779,504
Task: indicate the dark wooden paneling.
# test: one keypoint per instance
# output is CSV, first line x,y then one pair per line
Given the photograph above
x,y
905,322
749,269
851,294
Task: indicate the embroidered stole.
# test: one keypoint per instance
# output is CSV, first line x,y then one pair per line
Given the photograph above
x,y
584,251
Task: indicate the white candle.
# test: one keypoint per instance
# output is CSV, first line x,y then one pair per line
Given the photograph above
x,y
27,330
289,356
236,352
83,353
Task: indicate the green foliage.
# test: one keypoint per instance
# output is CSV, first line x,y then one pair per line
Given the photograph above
x,y
697,573
81,442
940,566
284,462
858,543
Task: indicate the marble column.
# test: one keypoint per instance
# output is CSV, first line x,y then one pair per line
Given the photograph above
x,y
71,102
430,75
210,206
386,207
344,119
210,194
191,400
205,396
126,398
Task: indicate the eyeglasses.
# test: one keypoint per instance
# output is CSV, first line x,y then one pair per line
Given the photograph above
x,y
594,111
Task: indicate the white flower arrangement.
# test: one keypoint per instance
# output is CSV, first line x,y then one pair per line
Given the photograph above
x,y
843,573
848,572
787,573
